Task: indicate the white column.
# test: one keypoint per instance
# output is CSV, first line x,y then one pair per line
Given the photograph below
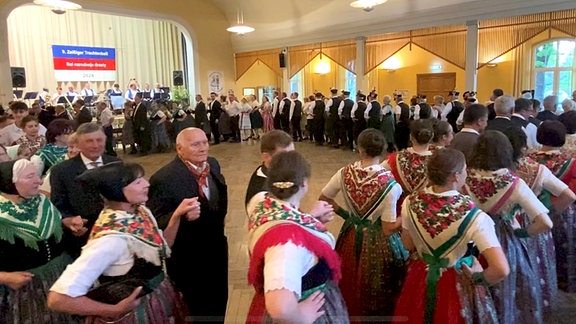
x,y
359,65
5,74
471,55
286,72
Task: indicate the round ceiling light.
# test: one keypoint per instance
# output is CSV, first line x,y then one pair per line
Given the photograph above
x,y
58,4
240,29
366,5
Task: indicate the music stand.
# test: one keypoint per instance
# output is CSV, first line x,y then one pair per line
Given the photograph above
x,y
61,100
71,98
117,102
18,94
156,96
146,95
30,95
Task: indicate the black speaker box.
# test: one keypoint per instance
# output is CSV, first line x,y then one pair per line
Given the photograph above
x,y
178,78
281,60
18,77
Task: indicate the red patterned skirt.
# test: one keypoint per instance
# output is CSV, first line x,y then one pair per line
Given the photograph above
x,y
458,300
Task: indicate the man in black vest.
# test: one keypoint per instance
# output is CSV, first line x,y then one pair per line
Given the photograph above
x,y
333,122
521,118
346,123
453,109
284,112
374,111
318,109
276,111
358,116
296,117
402,130
215,109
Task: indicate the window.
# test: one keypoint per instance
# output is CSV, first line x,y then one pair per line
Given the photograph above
x,y
350,83
297,84
554,69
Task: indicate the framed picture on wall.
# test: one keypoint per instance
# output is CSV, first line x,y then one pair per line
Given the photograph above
x,y
248,91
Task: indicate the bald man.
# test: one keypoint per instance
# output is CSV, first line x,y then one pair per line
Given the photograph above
x,y
199,261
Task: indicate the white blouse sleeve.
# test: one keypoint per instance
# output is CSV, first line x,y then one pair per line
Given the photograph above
x,y
524,196
483,233
95,259
551,183
333,186
284,267
389,204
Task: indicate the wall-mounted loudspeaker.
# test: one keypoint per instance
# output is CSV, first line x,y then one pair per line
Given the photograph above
x,y
178,78
18,77
281,60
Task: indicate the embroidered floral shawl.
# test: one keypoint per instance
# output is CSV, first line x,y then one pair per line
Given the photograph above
x,y
365,188
32,220
148,242
491,191
528,170
274,209
559,163
435,213
409,169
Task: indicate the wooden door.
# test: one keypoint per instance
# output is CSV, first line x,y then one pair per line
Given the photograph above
x,y
433,84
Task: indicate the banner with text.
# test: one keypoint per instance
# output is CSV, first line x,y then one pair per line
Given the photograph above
x,y
80,63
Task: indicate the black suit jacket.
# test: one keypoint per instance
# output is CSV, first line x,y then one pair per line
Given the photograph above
x,y
140,118
201,241
215,110
546,115
72,198
499,124
83,116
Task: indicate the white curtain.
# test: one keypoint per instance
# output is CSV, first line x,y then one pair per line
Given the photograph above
x,y
147,50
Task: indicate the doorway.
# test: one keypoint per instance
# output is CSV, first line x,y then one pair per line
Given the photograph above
x,y
433,84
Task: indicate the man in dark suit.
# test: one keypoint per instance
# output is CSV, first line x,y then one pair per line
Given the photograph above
x,y
83,114
550,104
79,205
495,94
201,242
201,116
215,112
475,120
141,125
504,106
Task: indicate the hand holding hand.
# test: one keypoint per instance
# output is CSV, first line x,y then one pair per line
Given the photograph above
x,y
310,308
323,211
190,208
76,224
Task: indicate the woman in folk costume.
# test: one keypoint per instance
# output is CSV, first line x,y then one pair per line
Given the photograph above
x,y
369,242
266,109
443,285
245,124
504,196
293,266
125,254
31,248
443,134
545,186
552,136
409,165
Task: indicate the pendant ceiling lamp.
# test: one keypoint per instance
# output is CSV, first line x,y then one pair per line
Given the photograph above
x,y
323,66
58,6
366,5
240,28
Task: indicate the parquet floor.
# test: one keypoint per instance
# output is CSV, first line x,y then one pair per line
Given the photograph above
x,y
238,161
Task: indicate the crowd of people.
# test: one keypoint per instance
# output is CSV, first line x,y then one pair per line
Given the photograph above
x,y
463,220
